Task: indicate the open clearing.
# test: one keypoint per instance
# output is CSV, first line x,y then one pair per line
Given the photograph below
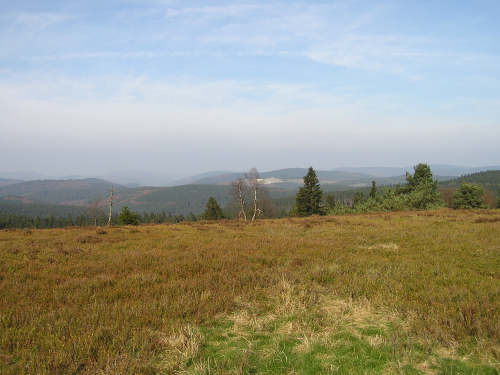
x,y
398,293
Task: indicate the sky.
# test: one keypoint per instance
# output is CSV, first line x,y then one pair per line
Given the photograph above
x,y
181,87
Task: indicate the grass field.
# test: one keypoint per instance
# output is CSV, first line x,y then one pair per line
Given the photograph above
x,y
399,293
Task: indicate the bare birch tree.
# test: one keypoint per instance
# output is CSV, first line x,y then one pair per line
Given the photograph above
x,y
110,205
239,190
251,196
253,181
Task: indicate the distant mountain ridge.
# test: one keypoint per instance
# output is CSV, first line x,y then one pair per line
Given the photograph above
x,y
135,178
72,195
291,178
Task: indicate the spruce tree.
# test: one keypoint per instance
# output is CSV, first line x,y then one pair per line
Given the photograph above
x,y
331,201
128,217
469,196
373,191
212,210
309,197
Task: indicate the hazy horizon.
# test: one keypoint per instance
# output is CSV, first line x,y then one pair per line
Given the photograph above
x,y
187,87
162,177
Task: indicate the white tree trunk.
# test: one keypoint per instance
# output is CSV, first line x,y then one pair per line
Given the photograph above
x,y
242,201
110,206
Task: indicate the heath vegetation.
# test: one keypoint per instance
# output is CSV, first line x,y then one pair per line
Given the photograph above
x,y
412,292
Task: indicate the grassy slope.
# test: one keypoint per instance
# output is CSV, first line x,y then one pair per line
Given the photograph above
x,y
401,293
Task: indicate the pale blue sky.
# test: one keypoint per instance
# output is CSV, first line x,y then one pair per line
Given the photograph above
x,y
199,85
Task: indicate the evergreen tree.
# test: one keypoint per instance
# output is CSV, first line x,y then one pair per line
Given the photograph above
x,y
469,196
421,189
212,210
128,217
422,176
373,191
331,201
358,198
309,197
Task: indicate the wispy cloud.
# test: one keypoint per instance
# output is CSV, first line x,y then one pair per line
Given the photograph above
x,y
215,11
99,55
336,34
37,21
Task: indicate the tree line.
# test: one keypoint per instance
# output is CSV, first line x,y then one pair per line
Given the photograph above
x,y
125,217
420,192
250,200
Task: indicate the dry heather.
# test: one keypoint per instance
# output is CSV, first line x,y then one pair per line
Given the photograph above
x,y
411,292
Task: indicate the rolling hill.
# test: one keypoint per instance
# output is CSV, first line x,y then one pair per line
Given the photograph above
x,y
66,192
22,206
489,179
174,199
64,197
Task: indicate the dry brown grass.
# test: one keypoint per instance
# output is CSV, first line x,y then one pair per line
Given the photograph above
x,y
123,300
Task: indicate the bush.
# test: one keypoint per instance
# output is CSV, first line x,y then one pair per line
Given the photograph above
x,y
469,196
419,193
128,217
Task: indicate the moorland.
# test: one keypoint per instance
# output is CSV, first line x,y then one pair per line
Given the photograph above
x,y
412,292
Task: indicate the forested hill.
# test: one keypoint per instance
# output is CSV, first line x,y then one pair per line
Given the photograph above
x,y
21,206
68,192
489,179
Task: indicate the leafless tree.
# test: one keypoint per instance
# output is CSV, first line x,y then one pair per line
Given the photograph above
x,y
239,190
94,209
252,178
110,205
251,196
260,197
